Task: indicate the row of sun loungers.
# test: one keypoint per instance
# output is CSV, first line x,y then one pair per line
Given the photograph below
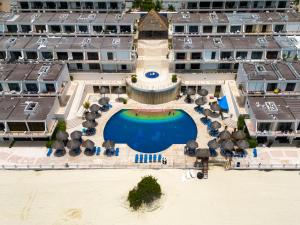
x,y
97,151
143,158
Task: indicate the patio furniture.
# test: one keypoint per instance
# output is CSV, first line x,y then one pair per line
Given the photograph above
x,y
136,159
159,158
145,158
150,158
154,158
98,150
117,151
141,158
49,152
254,152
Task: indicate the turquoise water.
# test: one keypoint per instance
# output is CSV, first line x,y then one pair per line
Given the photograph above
x,y
150,132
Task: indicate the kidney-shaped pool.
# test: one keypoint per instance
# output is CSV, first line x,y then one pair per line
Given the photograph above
x,y
150,131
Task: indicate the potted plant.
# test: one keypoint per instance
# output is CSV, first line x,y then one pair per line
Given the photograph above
x,y
174,78
133,78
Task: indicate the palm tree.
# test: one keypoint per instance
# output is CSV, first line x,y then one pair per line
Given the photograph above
x,y
86,105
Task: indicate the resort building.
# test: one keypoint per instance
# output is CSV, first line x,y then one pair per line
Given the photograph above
x,y
213,23
273,118
269,79
71,24
107,54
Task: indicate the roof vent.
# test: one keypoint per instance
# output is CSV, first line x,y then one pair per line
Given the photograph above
x,y
260,69
118,17
284,17
88,18
34,17
115,42
185,15
42,42
255,16
44,70
63,17
213,17
188,42
271,107
11,42
86,42
218,42
262,41
31,106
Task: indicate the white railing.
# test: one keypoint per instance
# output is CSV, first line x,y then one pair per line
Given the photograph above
x,y
261,166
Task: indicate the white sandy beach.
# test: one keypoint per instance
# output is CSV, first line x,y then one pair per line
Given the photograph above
x,y
98,197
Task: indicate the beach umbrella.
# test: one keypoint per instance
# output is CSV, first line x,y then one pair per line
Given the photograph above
x,y
190,91
73,144
88,144
200,101
214,114
206,112
89,124
192,144
224,135
103,90
215,125
242,144
76,135
103,101
108,144
58,145
90,116
239,135
95,108
213,144
62,135
215,107
202,153
227,145
203,92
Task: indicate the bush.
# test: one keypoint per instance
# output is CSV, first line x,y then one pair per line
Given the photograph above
x,y
252,142
241,123
133,79
49,143
125,101
86,105
171,8
61,126
174,78
146,192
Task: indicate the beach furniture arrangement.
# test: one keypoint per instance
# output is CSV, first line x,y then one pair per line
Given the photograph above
x,y
159,158
154,158
145,158
98,150
117,151
254,152
136,160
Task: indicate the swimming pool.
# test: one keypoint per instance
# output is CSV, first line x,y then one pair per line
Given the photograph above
x,y
150,131
152,74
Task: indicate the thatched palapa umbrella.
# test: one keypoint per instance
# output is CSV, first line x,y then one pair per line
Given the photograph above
x,y
200,101
76,135
62,135
192,144
103,101
90,116
108,144
215,107
242,144
227,145
89,147
73,144
95,108
239,135
206,112
60,148
214,114
190,91
213,144
215,125
224,135
203,92
103,91
89,124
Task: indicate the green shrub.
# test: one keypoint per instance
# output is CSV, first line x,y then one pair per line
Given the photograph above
x,y
49,143
86,105
133,79
61,125
241,123
171,8
174,78
252,142
296,57
125,101
71,78
146,192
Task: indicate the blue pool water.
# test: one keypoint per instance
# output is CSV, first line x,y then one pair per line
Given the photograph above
x,y
150,132
152,74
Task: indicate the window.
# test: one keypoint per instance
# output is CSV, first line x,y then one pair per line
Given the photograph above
x,y
14,87
77,55
125,29
31,87
207,29
69,29
12,28
229,5
50,87
281,4
47,55
217,5
102,5
235,29
180,66
179,29
55,29
62,55
249,28
221,29
111,28
284,127
79,66
243,4
204,5
50,5
24,5
2,55
83,28
271,86
278,28
180,55
226,55
268,4
195,66
264,29
196,55
15,55
271,55
40,28
63,5
97,29
110,56
213,55
94,66
37,5
25,28
290,87
114,5
256,55
241,55
1,88
263,126
92,56
89,5
123,67
31,55
193,29
192,5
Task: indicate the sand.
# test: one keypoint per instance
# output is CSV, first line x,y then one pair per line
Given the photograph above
x,y
98,197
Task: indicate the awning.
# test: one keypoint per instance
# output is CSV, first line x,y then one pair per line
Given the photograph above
x,y
223,103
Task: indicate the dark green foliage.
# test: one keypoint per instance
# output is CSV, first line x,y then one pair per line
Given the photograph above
x,y
61,126
147,5
133,79
147,191
158,5
252,142
49,143
241,122
174,78
171,8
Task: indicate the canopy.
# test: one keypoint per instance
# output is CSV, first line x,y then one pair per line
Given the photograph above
x,y
89,124
215,107
95,108
62,135
200,101
227,145
223,103
215,125
242,144
202,153
213,144
76,135
192,144
90,116
58,145
239,135
225,134
88,144
203,92
73,144
103,101
109,144
206,112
